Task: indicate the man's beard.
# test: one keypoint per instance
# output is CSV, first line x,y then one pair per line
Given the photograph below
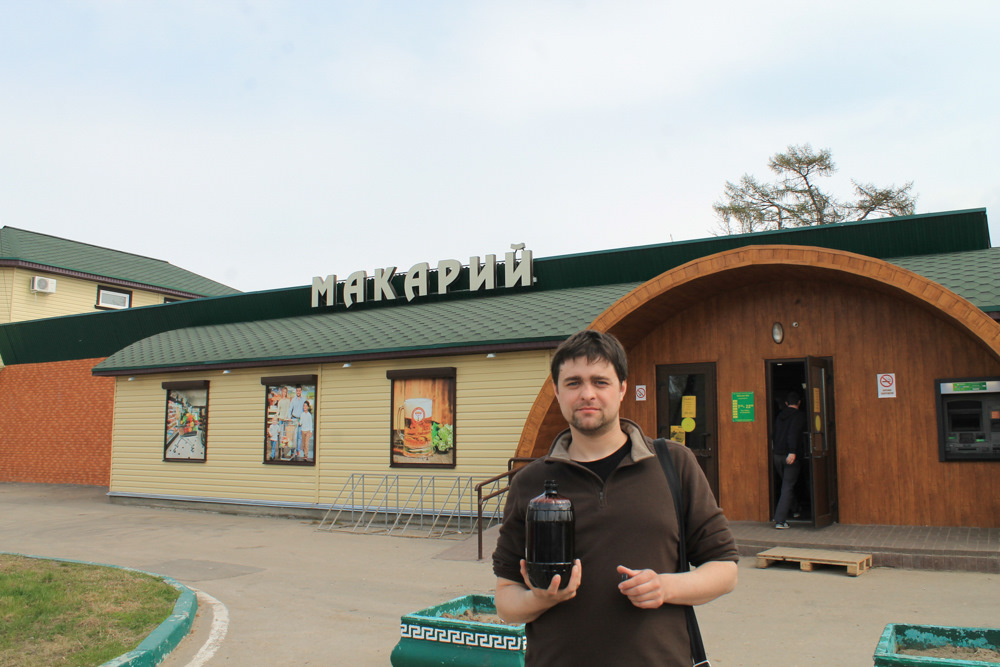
x,y
594,425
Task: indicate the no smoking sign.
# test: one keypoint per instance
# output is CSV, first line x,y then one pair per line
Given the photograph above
x,y
886,385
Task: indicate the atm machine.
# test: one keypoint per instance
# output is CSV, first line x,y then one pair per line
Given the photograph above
x,y
968,412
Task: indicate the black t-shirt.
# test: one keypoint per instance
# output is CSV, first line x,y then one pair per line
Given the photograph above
x,y
603,467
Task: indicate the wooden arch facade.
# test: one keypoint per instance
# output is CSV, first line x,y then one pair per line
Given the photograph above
x,y
868,317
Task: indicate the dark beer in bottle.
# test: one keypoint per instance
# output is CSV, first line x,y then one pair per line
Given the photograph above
x,y
549,539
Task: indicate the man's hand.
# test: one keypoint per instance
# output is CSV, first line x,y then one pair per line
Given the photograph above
x,y
553,593
523,603
648,590
790,459
644,588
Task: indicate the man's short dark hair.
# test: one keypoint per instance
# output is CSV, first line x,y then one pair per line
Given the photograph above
x,y
595,346
792,398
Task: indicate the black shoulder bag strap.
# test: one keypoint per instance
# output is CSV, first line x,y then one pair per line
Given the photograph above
x,y
674,482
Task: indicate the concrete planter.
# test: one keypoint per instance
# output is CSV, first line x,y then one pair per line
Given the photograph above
x,y
900,636
427,639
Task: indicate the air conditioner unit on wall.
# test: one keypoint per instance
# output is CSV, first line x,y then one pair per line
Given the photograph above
x,y
42,284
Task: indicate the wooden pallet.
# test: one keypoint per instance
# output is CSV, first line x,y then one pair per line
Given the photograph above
x,y
808,558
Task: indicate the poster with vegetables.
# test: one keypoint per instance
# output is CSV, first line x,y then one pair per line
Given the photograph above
x,y
423,420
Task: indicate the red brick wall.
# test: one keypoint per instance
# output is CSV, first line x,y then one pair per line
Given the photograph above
x,y
55,423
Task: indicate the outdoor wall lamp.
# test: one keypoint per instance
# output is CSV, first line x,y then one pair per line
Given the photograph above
x,y
777,332
491,356
347,365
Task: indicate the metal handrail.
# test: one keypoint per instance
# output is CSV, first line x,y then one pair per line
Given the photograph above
x,y
511,471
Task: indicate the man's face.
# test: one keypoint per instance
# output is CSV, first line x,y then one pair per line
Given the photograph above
x,y
298,391
589,395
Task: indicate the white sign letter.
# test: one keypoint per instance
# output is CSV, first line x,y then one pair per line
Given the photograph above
x,y
384,288
480,275
448,270
326,288
416,280
354,288
514,273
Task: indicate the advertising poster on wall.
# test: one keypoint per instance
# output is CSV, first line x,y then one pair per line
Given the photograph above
x,y
185,435
290,419
422,432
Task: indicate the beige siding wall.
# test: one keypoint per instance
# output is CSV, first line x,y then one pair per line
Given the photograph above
x,y
72,296
493,397
6,287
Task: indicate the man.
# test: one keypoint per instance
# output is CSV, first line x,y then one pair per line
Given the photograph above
x,y
295,412
622,605
787,455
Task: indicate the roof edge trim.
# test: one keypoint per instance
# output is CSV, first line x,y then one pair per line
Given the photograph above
x,y
398,353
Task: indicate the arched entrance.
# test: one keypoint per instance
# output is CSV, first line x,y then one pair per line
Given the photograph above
x,y
864,314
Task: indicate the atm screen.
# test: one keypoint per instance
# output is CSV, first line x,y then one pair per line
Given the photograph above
x,y
965,422
965,416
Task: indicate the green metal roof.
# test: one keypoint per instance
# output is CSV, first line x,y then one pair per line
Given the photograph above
x,y
974,275
931,244
18,246
882,238
92,335
513,320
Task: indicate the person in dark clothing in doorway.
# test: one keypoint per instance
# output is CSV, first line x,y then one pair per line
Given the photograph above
x,y
787,454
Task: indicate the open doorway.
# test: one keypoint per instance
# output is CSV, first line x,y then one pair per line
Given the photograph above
x,y
783,377
815,499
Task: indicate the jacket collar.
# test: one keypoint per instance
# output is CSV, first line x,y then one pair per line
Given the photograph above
x,y
640,448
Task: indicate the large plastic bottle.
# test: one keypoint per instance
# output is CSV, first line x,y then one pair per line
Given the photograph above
x,y
549,539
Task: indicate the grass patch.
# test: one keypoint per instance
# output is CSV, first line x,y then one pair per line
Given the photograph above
x,y
58,613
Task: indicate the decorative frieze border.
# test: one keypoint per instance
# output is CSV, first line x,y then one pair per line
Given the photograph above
x,y
463,637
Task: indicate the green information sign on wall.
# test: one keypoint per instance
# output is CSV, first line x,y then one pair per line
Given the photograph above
x,y
969,386
742,406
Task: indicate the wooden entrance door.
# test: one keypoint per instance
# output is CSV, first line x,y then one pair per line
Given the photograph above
x,y
822,440
686,412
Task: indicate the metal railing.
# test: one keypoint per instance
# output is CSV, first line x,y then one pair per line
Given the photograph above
x,y
495,482
421,505
411,504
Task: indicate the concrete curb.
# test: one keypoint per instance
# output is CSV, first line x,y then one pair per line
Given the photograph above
x,y
165,638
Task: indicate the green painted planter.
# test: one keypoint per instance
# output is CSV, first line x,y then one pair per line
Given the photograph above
x,y
899,635
427,639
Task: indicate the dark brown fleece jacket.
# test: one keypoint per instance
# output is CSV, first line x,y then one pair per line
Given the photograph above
x,y
629,520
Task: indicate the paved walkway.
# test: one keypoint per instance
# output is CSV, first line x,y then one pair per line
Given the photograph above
x,y
910,547
298,596
907,547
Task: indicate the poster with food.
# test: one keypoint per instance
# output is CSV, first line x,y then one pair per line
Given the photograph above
x,y
423,422
185,435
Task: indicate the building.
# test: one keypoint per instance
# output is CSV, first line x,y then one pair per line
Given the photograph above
x,y
451,382
45,276
56,421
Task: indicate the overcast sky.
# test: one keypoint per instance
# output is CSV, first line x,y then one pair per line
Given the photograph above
x,y
262,143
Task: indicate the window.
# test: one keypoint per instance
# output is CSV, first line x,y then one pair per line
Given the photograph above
x,y
113,299
290,419
422,418
185,434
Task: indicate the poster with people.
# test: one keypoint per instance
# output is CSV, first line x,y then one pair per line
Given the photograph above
x,y
422,431
186,431
290,420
